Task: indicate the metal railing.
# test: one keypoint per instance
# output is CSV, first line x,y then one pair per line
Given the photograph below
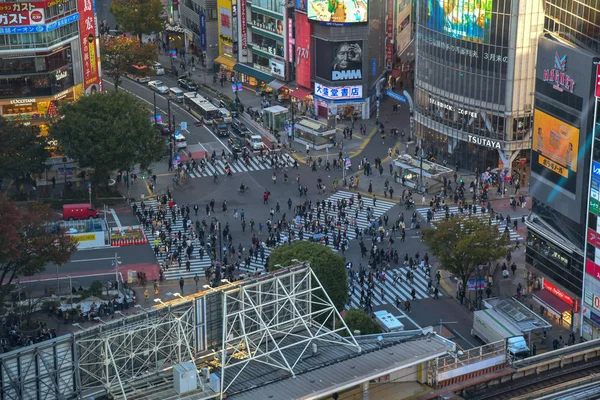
x,y
470,356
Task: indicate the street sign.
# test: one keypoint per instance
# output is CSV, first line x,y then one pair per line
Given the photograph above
x,y
233,87
326,148
239,86
396,96
183,125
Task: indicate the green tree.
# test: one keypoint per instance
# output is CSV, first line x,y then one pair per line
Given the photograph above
x,y
29,242
360,320
138,16
328,266
119,53
462,243
22,150
108,132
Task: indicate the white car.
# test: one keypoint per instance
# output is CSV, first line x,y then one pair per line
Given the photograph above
x,y
159,69
159,87
180,141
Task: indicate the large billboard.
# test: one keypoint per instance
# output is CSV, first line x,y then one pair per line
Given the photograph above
x,y
339,61
303,55
225,28
461,19
22,14
336,11
89,45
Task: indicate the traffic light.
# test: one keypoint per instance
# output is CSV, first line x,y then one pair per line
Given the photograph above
x,y
143,176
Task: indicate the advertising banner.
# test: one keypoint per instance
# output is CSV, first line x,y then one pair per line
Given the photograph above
x,y
203,31
461,19
225,21
89,50
597,80
244,32
303,54
389,32
22,14
339,61
301,5
334,12
555,147
338,92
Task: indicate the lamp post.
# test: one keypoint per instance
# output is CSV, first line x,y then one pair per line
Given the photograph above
x,y
64,160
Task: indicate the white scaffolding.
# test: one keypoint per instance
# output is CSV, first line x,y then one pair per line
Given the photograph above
x,y
275,320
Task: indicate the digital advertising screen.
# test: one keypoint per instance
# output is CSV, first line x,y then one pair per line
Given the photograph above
x,y
339,61
337,11
555,146
461,19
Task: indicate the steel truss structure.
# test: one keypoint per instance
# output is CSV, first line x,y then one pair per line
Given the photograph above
x,y
137,349
275,321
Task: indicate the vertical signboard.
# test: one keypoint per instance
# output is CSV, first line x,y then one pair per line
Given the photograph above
x,y
244,33
598,80
203,31
389,33
595,188
303,51
290,40
89,51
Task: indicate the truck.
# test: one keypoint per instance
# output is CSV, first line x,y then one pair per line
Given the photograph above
x,y
255,142
489,326
220,128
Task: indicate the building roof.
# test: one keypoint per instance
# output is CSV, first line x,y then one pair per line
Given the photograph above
x,y
338,370
517,313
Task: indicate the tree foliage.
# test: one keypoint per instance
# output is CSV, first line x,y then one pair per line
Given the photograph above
x,y
119,53
360,320
328,266
28,243
138,16
462,243
22,150
108,132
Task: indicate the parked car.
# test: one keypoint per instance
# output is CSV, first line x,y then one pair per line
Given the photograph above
x,y
187,84
239,128
235,144
158,68
159,87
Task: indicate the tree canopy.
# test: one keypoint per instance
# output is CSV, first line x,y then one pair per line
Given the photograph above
x,y
119,53
328,266
108,132
462,243
360,320
138,16
28,243
22,149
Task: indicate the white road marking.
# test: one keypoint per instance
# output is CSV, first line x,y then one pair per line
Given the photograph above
x,y
93,259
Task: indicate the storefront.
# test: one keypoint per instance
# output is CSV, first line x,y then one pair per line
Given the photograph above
x,y
590,329
343,101
302,100
557,304
256,77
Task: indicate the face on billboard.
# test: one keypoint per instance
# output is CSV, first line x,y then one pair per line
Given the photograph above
x,y
336,11
462,19
339,61
555,140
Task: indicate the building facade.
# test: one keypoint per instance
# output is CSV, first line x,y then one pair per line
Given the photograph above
x,y
199,21
474,82
49,53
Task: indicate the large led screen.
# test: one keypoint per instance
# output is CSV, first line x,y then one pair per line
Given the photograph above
x,y
339,61
462,19
337,11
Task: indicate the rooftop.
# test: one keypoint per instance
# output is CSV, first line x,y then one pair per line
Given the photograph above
x,y
517,313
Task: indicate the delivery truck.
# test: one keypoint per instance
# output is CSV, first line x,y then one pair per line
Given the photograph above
x,y
489,326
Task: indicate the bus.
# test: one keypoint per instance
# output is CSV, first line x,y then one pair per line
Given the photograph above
x,y
200,107
139,73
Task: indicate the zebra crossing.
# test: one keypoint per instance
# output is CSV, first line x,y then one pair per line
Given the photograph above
x,y
401,289
441,215
254,164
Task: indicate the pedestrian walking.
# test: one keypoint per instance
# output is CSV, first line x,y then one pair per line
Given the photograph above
x,y
181,282
146,295
407,306
413,293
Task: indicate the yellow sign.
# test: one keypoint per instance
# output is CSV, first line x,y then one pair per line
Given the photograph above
x,y
225,28
557,141
84,238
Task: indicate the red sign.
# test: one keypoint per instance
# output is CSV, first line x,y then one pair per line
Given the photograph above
x,y
389,32
22,14
560,294
290,40
89,51
598,80
303,53
593,238
243,28
593,269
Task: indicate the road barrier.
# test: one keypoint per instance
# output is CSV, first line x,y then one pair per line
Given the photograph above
x,y
127,236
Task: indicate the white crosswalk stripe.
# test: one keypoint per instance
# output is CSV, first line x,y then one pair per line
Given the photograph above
x,y
401,289
254,164
441,215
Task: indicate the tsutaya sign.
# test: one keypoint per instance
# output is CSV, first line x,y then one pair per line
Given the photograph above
x,y
557,76
481,141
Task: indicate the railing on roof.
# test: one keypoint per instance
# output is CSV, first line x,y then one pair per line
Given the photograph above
x,y
466,357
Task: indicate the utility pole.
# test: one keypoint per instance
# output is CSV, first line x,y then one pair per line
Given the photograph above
x,y
171,132
116,263
155,114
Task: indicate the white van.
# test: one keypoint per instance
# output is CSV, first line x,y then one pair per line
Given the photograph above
x,y
176,94
225,114
180,141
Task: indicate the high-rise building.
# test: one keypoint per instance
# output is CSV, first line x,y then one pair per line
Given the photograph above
x,y
474,82
199,21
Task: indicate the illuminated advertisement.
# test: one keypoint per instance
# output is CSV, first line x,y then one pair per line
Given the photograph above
x,y
339,61
554,149
22,14
301,5
557,76
303,55
244,32
461,19
337,11
89,49
224,21
225,28
338,92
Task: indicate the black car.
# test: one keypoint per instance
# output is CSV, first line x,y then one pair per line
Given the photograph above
x,y
163,129
239,128
187,84
235,144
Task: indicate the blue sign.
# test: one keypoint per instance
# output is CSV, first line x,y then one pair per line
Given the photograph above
x,y
174,53
183,126
595,318
203,31
374,67
17,30
596,169
396,96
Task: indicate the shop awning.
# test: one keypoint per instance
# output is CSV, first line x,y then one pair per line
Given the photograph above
x,y
301,93
396,73
276,84
261,76
555,305
225,61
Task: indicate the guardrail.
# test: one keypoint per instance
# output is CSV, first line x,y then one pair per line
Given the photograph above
x,y
471,356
